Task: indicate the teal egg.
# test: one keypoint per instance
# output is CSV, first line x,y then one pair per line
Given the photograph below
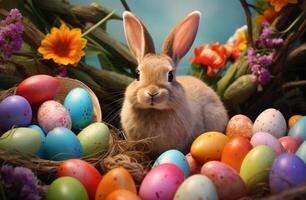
x,y
62,144
42,135
175,157
301,152
298,130
23,140
94,138
80,107
67,188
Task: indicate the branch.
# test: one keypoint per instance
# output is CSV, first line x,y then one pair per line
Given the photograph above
x,y
294,84
248,21
125,5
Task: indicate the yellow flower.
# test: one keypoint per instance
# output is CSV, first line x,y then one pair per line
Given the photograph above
x,y
279,4
63,45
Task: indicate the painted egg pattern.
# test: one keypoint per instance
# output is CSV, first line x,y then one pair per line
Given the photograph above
x,y
239,125
52,114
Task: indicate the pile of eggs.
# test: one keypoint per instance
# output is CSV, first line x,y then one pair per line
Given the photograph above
x,y
52,137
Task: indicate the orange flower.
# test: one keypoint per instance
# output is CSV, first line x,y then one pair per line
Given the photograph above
x,y
279,4
63,45
269,15
214,58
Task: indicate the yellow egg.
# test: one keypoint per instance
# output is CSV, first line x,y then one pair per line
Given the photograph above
x,y
208,146
293,119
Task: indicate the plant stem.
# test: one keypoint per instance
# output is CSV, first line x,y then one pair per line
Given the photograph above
x,y
248,21
294,84
292,24
98,24
260,11
125,5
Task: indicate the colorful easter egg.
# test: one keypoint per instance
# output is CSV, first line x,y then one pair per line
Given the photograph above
x,y
301,152
263,138
239,125
38,89
161,182
235,151
122,195
289,144
196,187
298,130
227,181
52,114
42,135
271,121
83,171
293,119
208,146
15,111
115,179
194,166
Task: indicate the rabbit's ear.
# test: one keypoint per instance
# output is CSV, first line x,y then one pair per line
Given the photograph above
x,y
180,39
138,38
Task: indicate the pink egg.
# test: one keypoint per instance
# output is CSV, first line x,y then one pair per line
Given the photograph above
x,y
228,183
194,166
289,144
263,138
161,182
52,114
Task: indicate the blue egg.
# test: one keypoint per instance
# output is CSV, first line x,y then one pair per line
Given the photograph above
x,y
175,157
42,135
79,104
298,130
301,152
62,144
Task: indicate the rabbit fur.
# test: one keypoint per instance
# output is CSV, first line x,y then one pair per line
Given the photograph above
x,y
170,110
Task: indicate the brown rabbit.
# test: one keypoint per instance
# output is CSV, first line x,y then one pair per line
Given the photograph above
x,y
171,110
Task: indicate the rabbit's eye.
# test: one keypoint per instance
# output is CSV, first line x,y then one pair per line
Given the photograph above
x,y
170,76
137,74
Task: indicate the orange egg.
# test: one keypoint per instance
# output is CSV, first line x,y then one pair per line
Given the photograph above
x,y
235,151
115,179
293,119
208,146
239,125
194,166
122,195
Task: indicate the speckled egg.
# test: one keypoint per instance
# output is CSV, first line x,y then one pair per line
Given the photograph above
x,y
263,138
79,104
239,125
52,114
15,111
196,187
271,121
175,157
227,181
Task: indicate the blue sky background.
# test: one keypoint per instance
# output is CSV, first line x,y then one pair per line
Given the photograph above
x,y
220,19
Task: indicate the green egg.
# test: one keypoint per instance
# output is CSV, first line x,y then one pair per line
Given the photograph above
x,y
23,140
94,138
255,168
66,188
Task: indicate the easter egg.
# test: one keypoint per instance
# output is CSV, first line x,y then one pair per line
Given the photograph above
x,y
15,111
42,135
239,125
208,146
52,114
79,104
287,171
23,140
271,121
83,171
301,152
67,188
194,166
196,187
38,89
298,130
62,144
228,183
289,144
293,119
161,182
94,138
235,151
122,195
115,179
263,138
176,157
255,167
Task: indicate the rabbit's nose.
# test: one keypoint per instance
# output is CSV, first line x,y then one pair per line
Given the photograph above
x,y
152,95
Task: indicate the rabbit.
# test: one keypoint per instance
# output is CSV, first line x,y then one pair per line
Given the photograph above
x,y
172,111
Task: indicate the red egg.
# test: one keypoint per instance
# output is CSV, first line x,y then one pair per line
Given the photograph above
x,y
289,143
87,174
39,88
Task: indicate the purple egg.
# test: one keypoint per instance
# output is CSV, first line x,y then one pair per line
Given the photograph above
x,y
15,111
288,171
